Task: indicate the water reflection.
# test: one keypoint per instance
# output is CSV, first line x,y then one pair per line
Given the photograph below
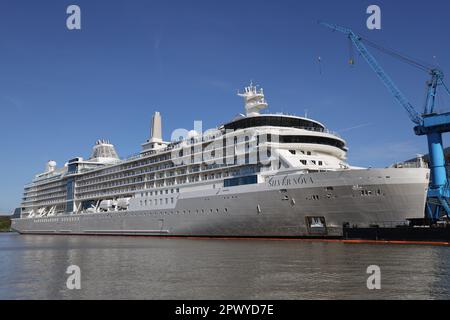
x,y
33,267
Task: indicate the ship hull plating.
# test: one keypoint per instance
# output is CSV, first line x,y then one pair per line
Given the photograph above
x,y
291,205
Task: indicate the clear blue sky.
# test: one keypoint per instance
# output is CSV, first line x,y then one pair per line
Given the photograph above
x,y
61,90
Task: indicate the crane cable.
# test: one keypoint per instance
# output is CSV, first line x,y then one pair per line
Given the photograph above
x,y
424,66
445,86
444,104
415,63
351,59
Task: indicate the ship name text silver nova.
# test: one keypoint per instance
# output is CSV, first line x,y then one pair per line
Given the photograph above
x,y
259,175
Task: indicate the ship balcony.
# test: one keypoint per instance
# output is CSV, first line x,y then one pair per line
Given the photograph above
x,y
120,169
133,187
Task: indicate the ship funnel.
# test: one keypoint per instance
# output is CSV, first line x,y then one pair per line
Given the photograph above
x,y
155,142
156,131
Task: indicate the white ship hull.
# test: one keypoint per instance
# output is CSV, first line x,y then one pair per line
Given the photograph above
x,y
292,205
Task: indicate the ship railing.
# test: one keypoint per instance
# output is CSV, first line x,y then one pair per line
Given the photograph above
x,y
412,164
132,157
322,130
206,138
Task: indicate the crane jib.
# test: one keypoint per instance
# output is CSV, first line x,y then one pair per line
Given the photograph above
x,y
431,124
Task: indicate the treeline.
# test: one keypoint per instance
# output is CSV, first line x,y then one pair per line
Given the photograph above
x,y
5,224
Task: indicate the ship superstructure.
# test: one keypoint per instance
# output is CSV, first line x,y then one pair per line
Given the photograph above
x,y
260,174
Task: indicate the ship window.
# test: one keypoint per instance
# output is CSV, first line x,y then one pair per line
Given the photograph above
x,y
276,121
313,140
303,162
292,151
366,192
232,182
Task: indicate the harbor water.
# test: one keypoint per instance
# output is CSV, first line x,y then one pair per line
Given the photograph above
x,y
34,267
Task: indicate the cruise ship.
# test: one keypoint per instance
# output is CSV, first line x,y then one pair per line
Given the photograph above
x,y
259,175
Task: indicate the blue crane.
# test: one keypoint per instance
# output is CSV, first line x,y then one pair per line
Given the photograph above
x,y
430,123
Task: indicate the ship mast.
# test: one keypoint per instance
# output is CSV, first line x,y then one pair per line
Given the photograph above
x,y
254,100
